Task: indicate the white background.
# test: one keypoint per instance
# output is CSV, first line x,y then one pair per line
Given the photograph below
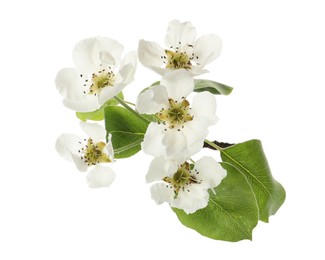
x,y
273,55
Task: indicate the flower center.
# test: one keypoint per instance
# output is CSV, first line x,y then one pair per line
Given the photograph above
x,y
102,79
177,60
93,153
181,56
176,115
182,178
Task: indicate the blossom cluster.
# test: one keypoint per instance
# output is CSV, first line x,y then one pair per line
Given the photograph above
x,y
181,117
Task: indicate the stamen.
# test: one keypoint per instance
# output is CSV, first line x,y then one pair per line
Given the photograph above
x,y
176,115
182,179
93,153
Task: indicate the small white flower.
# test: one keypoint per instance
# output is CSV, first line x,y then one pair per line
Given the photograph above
x,y
99,74
89,153
182,127
184,186
182,51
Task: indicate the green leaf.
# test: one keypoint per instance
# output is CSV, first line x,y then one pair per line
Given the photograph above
x,y
249,159
212,86
98,114
127,131
232,212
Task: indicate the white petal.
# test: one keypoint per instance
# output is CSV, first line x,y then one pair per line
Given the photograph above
x,y
179,83
152,100
210,171
175,143
195,131
100,177
160,193
197,70
93,130
204,108
70,85
152,142
109,148
207,48
150,54
90,53
87,104
108,93
80,163
126,74
192,149
128,67
67,145
192,199
160,168
178,32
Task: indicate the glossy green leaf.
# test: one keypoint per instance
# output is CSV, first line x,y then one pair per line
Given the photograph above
x,y
98,114
249,159
232,212
127,131
212,86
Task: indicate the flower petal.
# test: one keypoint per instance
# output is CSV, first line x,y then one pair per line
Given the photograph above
x,y
192,199
90,53
179,83
93,130
150,54
204,108
108,93
126,74
180,33
100,177
80,163
160,193
152,142
175,143
109,148
160,168
207,48
70,86
67,145
128,67
152,100
191,149
210,171
87,104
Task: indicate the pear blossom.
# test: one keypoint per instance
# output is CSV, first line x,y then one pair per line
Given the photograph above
x,y
182,127
91,153
184,186
183,50
98,76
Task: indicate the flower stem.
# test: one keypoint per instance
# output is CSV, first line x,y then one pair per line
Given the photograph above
x,y
129,103
124,104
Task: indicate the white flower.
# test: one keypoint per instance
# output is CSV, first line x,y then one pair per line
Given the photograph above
x,y
182,51
99,74
182,127
89,153
184,186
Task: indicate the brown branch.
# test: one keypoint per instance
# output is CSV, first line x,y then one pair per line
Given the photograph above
x,y
220,144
